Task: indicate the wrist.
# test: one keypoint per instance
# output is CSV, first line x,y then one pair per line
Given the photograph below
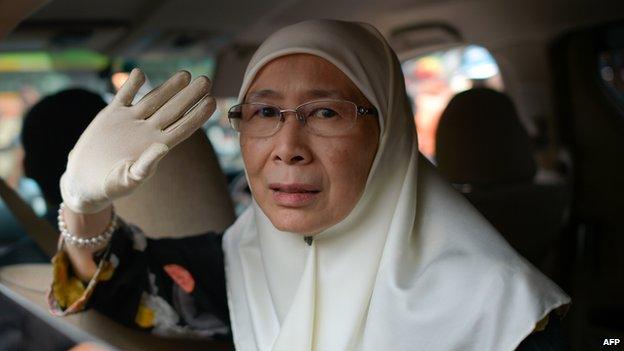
x,y
86,224
75,199
93,241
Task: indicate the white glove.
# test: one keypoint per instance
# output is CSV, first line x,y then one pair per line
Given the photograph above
x,y
122,146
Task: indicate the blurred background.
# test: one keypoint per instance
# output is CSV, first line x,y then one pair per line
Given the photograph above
x,y
519,103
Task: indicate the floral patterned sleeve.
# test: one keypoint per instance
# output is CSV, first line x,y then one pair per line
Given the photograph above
x,y
170,287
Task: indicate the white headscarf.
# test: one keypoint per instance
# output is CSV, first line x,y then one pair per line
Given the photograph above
x,y
413,266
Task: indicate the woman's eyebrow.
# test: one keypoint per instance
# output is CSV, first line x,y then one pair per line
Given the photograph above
x,y
263,94
310,94
322,93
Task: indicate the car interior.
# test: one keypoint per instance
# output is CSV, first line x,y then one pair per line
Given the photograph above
x,y
519,104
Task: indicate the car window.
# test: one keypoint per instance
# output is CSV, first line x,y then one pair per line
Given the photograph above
x,y
434,78
25,78
611,69
223,138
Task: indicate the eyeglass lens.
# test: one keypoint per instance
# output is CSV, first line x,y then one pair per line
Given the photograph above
x,y
326,118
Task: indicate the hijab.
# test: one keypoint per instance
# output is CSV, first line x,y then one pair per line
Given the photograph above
x,y
413,265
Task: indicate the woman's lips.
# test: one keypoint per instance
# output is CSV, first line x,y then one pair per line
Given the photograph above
x,y
294,194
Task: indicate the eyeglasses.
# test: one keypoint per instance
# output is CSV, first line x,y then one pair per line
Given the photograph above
x,y
322,117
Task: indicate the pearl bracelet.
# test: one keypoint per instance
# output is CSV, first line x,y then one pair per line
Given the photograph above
x,y
90,242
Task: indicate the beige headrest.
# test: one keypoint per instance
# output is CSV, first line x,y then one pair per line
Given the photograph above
x,y
187,195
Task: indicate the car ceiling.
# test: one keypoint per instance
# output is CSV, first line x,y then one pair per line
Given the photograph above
x,y
143,27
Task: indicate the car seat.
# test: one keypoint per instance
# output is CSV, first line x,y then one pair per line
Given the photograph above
x,y
483,149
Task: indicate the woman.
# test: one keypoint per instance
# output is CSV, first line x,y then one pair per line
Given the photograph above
x,y
335,253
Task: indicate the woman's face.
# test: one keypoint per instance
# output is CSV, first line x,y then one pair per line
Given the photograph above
x,y
306,183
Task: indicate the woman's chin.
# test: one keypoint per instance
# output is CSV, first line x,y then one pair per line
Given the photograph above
x,y
299,222
297,228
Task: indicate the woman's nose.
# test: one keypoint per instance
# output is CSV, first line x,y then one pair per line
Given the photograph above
x,y
291,143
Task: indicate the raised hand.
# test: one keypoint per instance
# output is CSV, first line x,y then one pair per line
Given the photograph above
x,y
122,146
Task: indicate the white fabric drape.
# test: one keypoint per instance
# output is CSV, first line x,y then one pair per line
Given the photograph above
x,y
412,267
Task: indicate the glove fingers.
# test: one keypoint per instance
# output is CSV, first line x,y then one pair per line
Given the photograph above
x,y
193,120
158,97
127,175
145,166
182,102
128,90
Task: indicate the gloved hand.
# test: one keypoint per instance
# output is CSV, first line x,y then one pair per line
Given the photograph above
x,y
122,146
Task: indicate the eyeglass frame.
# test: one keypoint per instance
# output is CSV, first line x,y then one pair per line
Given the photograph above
x,y
360,111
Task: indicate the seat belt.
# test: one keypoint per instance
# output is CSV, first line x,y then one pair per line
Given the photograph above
x,y
42,233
